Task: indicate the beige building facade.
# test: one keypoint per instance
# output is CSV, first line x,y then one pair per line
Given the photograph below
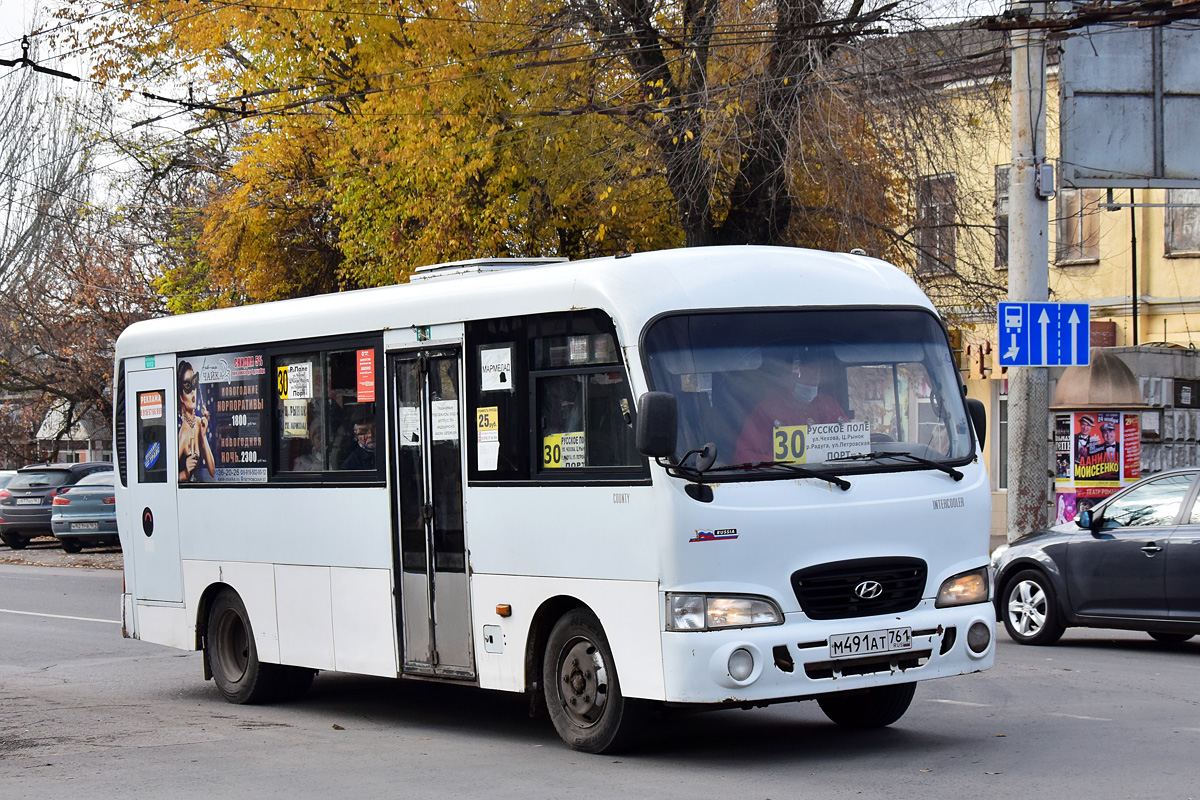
x,y
1133,256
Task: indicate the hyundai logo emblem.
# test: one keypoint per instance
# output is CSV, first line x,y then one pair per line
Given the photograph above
x,y
869,590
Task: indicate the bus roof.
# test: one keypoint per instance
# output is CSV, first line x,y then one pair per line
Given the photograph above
x,y
632,289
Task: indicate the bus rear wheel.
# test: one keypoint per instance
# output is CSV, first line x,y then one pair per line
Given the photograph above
x,y
583,694
233,658
876,707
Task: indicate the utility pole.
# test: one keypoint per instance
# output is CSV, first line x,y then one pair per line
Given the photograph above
x,y
1028,276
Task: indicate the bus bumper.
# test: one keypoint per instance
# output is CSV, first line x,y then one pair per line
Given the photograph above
x,y
793,660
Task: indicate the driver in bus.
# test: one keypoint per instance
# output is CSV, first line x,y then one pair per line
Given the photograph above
x,y
793,397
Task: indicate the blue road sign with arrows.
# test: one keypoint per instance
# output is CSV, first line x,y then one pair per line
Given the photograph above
x,y
1043,334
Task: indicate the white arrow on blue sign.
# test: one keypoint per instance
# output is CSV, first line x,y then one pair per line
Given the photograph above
x,y
1043,334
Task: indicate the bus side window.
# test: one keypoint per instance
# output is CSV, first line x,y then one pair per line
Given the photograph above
x,y
585,420
152,437
325,416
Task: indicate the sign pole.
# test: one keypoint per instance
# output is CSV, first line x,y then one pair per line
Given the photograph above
x,y
1028,280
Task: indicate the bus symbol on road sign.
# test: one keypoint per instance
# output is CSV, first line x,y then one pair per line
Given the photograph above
x,y
1043,334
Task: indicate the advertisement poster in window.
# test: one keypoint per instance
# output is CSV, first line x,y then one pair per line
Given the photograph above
x,y
221,402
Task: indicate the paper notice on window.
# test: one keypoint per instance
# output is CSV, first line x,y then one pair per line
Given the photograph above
x,y
487,428
496,365
150,405
814,443
295,418
579,349
563,450
410,426
445,420
299,381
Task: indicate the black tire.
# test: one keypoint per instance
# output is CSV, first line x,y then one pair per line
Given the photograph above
x,y
1170,638
1030,609
583,693
876,707
14,540
71,546
233,657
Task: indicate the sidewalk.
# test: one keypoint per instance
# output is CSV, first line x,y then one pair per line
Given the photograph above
x,y
46,552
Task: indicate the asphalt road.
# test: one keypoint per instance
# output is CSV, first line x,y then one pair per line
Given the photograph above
x,y
84,713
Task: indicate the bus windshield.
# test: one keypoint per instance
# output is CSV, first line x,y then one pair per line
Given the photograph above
x,y
847,390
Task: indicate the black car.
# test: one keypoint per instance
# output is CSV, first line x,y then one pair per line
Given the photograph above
x,y
26,502
1132,562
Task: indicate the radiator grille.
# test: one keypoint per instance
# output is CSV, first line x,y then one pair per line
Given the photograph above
x,y
828,591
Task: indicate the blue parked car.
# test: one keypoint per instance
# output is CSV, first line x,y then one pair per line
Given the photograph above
x,y
85,514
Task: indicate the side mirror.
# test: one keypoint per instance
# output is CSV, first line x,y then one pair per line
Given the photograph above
x,y
1087,519
978,419
657,424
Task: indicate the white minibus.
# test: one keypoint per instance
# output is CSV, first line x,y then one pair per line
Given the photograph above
x,y
711,477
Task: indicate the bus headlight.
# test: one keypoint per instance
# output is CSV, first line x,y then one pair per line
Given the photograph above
x,y
706,612
964,589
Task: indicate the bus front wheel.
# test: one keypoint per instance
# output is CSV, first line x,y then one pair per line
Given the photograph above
x,y
583,694
233,658
876,707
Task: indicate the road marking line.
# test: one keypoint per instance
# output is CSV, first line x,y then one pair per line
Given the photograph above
x,y
1080,716
958,702
59,616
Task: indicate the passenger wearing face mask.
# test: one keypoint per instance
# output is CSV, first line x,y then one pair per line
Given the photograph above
x,y
795,399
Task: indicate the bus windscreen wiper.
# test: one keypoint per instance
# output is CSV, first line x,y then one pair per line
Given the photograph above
x,y
841,483
925,462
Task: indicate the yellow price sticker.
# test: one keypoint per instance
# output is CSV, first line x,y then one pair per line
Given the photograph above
x,y
789,444
487,419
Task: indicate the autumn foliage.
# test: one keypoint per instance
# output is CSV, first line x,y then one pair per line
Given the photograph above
x,y
367,138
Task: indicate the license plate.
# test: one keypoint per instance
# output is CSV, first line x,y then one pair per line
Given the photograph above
x,y
29,501
865,643
85,526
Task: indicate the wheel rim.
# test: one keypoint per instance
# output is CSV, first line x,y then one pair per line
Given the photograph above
x,y
1027,608
232,654
582,682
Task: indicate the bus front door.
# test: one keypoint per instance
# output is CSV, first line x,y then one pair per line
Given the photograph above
x,y
151,443
434,594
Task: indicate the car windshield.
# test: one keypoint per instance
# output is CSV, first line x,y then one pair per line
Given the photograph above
x,y
39,479
846,390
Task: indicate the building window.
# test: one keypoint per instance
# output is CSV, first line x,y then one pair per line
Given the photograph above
x,y
1001,212
935,225
1183,222
1078,226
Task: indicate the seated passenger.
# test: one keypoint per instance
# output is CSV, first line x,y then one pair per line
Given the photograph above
x,y
363,454
792,397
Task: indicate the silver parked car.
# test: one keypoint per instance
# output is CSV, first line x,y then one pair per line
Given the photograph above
x,y
1131,562
85,514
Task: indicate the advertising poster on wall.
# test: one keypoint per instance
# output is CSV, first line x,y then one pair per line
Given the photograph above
x,y
222,402
1096,454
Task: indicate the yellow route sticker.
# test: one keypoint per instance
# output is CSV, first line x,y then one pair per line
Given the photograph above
x,y
561,450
